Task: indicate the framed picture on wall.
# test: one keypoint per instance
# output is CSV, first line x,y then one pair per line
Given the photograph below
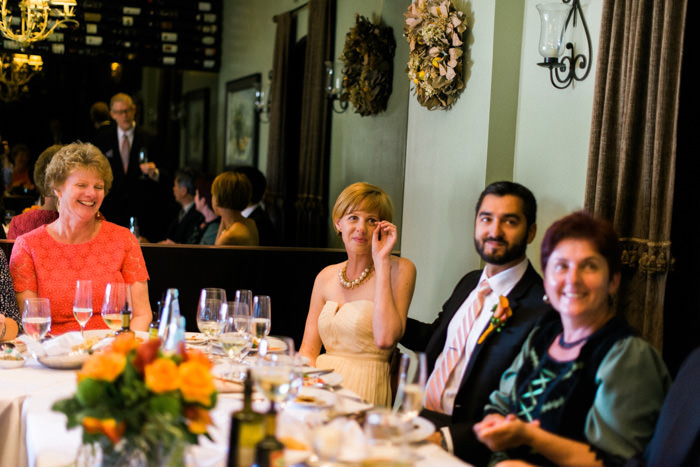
x,y
196,128
241,143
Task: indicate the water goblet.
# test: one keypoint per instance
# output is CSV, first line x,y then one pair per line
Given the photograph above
x,y
116,304
240,312
245,297
277,375
82,303
411,387
209,313
262,319
235,343
36,317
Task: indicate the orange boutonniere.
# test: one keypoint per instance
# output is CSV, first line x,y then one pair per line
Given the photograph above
x,y
501,313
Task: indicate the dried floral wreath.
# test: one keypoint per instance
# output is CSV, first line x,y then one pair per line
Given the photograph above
x,y
368,56
434,30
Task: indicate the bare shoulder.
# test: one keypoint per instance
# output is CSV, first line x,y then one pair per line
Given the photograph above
x,y
402,265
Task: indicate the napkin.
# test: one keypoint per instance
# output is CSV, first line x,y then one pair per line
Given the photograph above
x,y
60,345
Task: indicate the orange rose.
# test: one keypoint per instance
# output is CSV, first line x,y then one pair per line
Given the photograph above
x,y
124,343
197,419
161,376
196,383
198,356
146,353
106,366
108,427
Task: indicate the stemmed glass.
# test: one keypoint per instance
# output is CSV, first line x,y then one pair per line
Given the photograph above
x,y
143,159
209,313
245,297
261,322
82,303
277,375
234,338
411,387
116,302
36,317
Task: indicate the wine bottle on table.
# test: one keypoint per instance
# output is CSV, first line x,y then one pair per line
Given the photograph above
x,y
246,430
269,452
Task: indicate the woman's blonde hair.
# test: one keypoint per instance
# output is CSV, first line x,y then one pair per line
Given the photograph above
x,y
365,196
77,156
232,190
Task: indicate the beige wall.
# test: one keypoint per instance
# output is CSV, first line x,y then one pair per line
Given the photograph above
x,y
452,155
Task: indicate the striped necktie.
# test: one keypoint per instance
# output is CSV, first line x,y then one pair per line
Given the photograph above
x,y
449,358
124,149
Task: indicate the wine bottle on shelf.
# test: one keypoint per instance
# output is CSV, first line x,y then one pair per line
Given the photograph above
x,y
246,430
269,452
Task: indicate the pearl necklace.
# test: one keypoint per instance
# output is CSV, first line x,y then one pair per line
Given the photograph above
x,y
351,284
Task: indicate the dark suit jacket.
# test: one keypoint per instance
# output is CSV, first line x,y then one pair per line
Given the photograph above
x,y
131,194
182,231
488,362
266,231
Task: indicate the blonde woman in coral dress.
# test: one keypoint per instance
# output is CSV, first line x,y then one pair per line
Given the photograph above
x,y
358,307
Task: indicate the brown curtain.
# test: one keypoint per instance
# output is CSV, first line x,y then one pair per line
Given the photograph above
x,y
633,146
311,203
279,152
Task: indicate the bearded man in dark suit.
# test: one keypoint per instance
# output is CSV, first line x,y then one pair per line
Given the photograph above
x,y
465,361
132,151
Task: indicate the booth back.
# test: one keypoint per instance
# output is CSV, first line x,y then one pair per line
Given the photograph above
x,y
285,274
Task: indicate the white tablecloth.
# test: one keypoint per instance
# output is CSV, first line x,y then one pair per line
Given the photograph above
x,y
35,436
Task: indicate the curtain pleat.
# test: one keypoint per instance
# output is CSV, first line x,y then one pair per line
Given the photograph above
x,y
633,146
278,151
311,202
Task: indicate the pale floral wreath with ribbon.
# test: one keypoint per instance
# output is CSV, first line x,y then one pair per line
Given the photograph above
x,y
434,30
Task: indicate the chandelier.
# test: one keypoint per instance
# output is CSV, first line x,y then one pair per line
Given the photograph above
x,y
39,18
15,73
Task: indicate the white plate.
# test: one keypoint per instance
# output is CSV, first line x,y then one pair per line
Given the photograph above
x,y
11,363
422,428
195,338
332,379
274,345
314,398
65,361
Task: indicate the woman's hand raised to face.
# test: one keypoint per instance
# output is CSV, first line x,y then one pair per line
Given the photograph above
x,y
383,240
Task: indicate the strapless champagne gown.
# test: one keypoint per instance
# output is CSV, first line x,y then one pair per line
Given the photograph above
x,y
346,332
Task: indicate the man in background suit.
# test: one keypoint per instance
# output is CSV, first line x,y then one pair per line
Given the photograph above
x,y
135,191
463,371
184,224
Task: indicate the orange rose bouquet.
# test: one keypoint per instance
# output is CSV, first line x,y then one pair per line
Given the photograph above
x,y
133,398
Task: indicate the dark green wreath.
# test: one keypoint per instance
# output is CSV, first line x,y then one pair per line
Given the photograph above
x,y
368,56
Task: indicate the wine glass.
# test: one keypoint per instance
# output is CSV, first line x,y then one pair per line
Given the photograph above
x,y
240,313
234,338
277,375
209,313
411,387
143,159
116,302
82,303
36,317
261,322
244,296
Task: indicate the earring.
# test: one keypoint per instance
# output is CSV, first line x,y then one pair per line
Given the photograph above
x,y
545,298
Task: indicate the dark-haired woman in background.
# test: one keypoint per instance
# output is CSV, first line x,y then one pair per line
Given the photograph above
x,y
231,193
584,390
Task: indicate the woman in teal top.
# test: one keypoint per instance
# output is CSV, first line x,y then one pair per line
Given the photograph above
x,y
585,390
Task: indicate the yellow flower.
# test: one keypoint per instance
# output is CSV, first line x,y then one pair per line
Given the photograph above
x,y
436,62
196,383
161,376
105,366
421,74
108,427
197,419
124,343
501,313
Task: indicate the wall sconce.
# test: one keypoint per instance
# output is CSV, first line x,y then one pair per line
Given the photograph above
x,y
15,73
262,99
555,19
334,85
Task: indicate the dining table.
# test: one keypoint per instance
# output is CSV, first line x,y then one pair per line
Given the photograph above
x,y
35,435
